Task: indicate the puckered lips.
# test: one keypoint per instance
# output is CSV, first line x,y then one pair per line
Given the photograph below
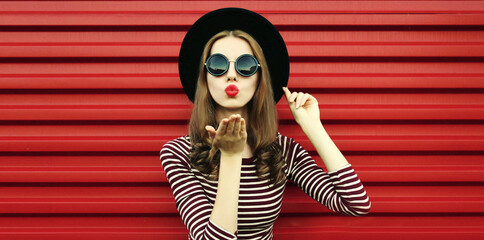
x,y
231,90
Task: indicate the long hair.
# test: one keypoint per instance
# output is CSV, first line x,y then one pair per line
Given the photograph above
x,y
262,121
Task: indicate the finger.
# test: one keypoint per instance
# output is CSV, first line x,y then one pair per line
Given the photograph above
x,y
293,96
242,125
223,126
304,99
230,126
210,130
298,99
287,93
237,125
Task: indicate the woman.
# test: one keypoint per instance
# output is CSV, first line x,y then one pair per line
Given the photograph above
x,y
229,174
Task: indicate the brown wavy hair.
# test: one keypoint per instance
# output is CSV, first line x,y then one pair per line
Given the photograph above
x,y
261,131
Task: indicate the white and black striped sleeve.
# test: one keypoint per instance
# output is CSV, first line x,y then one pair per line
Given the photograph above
x,y
340,190
191,201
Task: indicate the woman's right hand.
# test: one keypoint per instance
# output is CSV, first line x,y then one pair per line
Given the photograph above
x,y
231,135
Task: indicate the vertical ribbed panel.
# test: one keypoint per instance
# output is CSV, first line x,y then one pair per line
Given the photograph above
x,y
89,92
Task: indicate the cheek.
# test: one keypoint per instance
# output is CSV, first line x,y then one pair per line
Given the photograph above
x,y
214,89
253,84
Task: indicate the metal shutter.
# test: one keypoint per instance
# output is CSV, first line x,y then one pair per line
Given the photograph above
x,y
90,92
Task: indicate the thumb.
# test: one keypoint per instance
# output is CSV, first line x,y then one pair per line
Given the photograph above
x,y
210,130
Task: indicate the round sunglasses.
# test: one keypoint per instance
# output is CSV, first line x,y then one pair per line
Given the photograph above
x,y
218,64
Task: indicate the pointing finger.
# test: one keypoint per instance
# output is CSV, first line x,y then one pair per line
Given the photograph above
x,y
287,93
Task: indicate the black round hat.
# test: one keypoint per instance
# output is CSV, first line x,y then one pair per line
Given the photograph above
x,y
257,26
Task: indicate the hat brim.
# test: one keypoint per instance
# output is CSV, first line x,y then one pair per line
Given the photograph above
x,y
257,26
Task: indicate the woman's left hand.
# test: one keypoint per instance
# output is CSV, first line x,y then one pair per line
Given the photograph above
x,y
304,107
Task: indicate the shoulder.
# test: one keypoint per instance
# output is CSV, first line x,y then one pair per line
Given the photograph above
x,y
178,144
288,145
176,149
291,150
285,142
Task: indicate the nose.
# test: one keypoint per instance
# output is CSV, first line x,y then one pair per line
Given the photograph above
x,y
231,73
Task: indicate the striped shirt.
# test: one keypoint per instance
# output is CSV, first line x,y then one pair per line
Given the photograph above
x,y
259,202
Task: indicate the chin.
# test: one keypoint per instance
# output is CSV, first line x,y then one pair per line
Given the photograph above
x,y
233,106
233,103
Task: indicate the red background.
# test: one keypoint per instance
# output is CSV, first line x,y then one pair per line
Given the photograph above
x,y
89,92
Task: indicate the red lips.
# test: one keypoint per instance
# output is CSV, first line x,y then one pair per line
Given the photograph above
x,y
231,90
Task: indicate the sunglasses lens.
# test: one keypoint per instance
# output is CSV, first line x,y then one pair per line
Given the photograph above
x,y
217,65
247,65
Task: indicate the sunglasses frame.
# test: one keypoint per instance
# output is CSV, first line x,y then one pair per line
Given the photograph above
x,y
228,64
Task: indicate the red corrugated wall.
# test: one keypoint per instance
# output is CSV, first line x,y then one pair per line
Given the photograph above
x,y
89,92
